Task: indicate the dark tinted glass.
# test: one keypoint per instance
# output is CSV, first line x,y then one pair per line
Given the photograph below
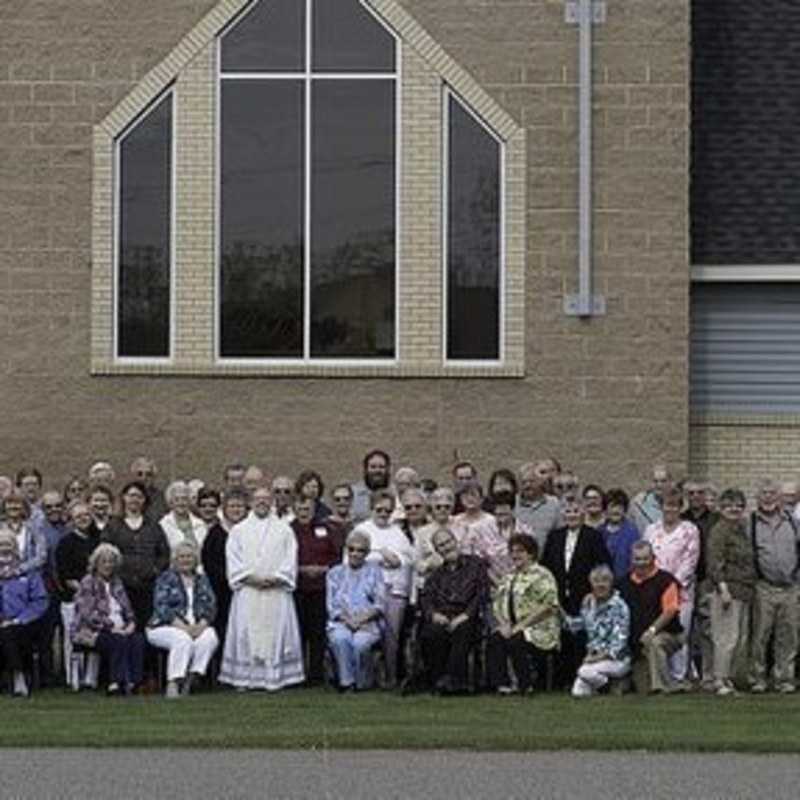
x,y
270,38
473,239
261,281
347,38
143,306
352,219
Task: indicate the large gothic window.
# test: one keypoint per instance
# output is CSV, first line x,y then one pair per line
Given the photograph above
x,y
308,183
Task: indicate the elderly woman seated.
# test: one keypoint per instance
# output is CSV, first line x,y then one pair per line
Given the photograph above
x,y
184,608
606,619
525,618
356,602
104,620
23,601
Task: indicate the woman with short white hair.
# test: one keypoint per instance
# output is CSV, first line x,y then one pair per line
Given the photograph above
x,y
104,620
184,609
606,619
180,524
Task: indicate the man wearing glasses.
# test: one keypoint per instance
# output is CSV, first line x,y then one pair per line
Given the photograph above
x,y
452,602
282,498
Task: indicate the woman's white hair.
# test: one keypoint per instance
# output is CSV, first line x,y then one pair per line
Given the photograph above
x,y
104,549
174,488
358,536
185,547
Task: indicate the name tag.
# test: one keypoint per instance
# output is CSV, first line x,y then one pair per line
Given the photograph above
x,y
320,533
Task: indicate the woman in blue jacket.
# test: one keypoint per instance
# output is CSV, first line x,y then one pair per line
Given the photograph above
x,y
23,600
184,608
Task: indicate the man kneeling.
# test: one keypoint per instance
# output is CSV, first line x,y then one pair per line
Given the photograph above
x,y
652,595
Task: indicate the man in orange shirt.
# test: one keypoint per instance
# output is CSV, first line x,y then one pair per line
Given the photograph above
x,y
652,594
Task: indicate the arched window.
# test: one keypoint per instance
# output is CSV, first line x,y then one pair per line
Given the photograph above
x,y
308,183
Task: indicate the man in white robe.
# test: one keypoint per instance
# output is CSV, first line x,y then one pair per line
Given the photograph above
x,y
262,646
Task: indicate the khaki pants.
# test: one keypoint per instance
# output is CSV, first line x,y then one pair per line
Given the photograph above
x,y
774,613
702,637
651,671
729,631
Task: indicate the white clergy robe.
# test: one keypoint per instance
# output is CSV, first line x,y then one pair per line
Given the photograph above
x,y
262,645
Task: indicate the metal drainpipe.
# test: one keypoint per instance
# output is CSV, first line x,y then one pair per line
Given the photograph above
x,y
585,303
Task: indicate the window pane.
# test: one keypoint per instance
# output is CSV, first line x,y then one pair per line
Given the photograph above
x,y
270,38
261,281
352,219
473,239
347,38
745,196
143,299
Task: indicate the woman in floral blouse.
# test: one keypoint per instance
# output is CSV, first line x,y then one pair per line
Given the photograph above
x,y
184,608
606,619
525,614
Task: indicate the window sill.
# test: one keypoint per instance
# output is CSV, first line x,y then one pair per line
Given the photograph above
x,y
257,370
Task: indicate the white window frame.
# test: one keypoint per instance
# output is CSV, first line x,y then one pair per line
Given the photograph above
x,y
307,76
745,273
117,203
449,93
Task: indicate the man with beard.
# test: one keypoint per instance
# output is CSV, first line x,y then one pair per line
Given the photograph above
x,y
377,468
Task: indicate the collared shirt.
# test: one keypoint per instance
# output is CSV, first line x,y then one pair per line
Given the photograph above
x,y
607,626
676,551
541,516
775,542
618,543
529,592
645,510
569,547
456,589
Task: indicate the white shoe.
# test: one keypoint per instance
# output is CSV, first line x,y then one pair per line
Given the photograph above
x,y
725,689
172,690
20,686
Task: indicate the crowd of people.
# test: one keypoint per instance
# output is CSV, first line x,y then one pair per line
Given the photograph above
x,y
534,583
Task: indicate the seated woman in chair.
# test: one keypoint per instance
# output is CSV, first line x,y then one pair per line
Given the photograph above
x,y
104,620
184,608
23,600
525,617
356,602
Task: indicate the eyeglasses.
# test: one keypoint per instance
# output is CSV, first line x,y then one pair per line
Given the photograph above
x,y
278,490
357,550
411,506
383,510
52,506
342,498
442,506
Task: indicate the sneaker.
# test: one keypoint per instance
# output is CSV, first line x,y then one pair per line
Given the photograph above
x,y
758,688
786,688
172,690
190,682
505,690
725,689
20,685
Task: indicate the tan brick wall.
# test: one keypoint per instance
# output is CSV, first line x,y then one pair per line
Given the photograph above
x,y
739,450
608,396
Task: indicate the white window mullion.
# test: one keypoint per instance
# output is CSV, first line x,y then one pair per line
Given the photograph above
x,y
307,192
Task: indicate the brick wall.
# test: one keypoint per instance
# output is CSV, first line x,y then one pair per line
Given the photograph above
x,y
608,396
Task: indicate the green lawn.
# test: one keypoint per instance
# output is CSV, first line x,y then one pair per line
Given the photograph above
x,y
315,718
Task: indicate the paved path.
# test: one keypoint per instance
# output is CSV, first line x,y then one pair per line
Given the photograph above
x,y
381,775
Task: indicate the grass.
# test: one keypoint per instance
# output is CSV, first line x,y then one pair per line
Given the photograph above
x,y
320,719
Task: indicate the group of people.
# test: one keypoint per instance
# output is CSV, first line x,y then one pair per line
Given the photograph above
x,y
534,583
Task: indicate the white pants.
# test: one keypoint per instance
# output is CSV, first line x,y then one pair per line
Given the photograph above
x,y
185,653
594,676
85,670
